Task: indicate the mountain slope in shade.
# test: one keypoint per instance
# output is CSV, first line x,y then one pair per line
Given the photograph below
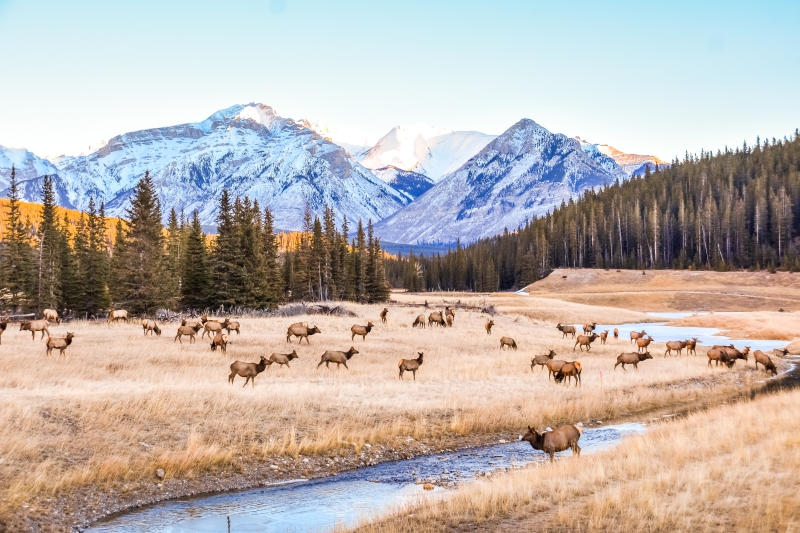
x,y
426,150
247,149
524,172
407,182
631,164
27,165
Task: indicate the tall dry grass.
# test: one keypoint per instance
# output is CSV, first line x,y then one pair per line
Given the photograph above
x,y
733,468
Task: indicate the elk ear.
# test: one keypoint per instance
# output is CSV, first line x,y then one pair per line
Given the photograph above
x,y
530,428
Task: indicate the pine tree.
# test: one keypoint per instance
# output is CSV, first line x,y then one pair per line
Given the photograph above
x,y
118,277
18,262
49,293
272,272
359,264
173,261
68,263
82,262
195,268
225,256
95,262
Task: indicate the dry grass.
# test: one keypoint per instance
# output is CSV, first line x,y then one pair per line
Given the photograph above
x,y
120,405
757,325
734,468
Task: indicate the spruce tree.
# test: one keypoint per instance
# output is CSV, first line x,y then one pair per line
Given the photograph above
x,y
68,264
225,256
95,261
272,272
18,262
173,261
195,268
49,293
359,264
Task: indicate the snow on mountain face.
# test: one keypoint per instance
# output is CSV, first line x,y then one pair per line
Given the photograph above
x,y
524,172
426,150
355,142
409,183
631,164
27,165
247,149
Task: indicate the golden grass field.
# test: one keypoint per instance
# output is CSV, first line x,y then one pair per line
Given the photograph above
x,y
102,419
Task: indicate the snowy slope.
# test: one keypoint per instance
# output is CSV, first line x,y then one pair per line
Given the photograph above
x,y
426,150
524,172
631,164
355,142
27,165
407,182
247,149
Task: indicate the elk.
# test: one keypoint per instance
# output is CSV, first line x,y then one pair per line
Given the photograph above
x,y
566,330
249,371
33,326
3,326
340,358
410,365
603,336
448,312
643,342
637,334
488,327
553,366
361,330
588,328
507,341
51,315
60,343
677,346
221,340
569,370
383,314
150,326
231,326
616,333
559,440
191,331
632,358
735,354
585,340
301,331
782,352
419,321
541,360
449,320
119,314
436,318
691,345
283,358
212,326
718,354
764,359
191,322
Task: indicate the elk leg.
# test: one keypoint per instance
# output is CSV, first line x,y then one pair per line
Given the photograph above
x,y
401,374
246,379
551,457
415,374
345,365
578,448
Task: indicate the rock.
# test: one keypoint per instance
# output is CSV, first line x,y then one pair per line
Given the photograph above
x,y
427,486
160,473
273,467
305,460
599,422
368,446
579,424
502,441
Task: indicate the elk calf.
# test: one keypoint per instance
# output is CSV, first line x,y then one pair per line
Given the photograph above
x,y
616,333
283,358
488,327
249,371
507,341
361,330
59,343
410,365
603,337
691,345
384,313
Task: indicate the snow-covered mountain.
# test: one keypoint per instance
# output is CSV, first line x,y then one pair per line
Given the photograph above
x,y
27,165
632,164
426,150
355,142
524,172
247,149
407,182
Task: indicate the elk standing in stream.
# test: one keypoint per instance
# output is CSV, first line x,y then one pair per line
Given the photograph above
x,y
559,440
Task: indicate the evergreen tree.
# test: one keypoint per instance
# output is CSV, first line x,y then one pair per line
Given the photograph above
x,y
360,264
173,261
195,268
49,293
18,262
225,256
272,272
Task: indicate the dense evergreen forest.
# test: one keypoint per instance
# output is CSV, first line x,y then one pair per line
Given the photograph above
x,y
736,209
79,268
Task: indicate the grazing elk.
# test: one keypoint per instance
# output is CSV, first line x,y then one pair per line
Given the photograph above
x,y
735,354
643,342
603,336
488,327
637,334
119,314
33,326
691,346
616,333
340,358
301,331
632,358
559,440
3,326
151,327
541,360
220,340
588,328
507,341
719,354
780,352
419,321
191,331
764,359
384,313
231,326
436,318
566,330
59,343
585,340
283,358
51,315
569,370
249,371
361,330
677,346
553,366
410,365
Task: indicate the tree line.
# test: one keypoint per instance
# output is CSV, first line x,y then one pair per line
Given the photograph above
x,y
734,209
145,265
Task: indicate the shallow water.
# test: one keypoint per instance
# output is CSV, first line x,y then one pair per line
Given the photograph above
x,y
318,505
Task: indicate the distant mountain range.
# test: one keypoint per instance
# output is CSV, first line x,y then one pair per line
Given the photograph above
x,y
420,184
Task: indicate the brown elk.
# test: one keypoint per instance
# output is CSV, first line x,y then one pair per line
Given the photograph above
x,y
283,358
51,315
249,371
677,346
643,342
488,327
541,360
119,314
559,440
384,313
59,343
150,326
691,345
569,370
449,320
212,326
436,318
585,340
553,366
780,352
632,358
220,340
588,328
719,354
191,322
507,341
3,326
361,330
191,331
33,326
764,359
231,326
735,354
566,330
616,333
637,335
603,336
419,321
448,312
303,332
410,365
340,358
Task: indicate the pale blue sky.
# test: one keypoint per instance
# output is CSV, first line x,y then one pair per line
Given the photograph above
x,y
645,77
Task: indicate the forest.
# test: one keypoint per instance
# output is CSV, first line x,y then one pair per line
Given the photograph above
x,y
75,265
729,210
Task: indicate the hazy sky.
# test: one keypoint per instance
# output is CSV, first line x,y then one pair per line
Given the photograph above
x,y
642,77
